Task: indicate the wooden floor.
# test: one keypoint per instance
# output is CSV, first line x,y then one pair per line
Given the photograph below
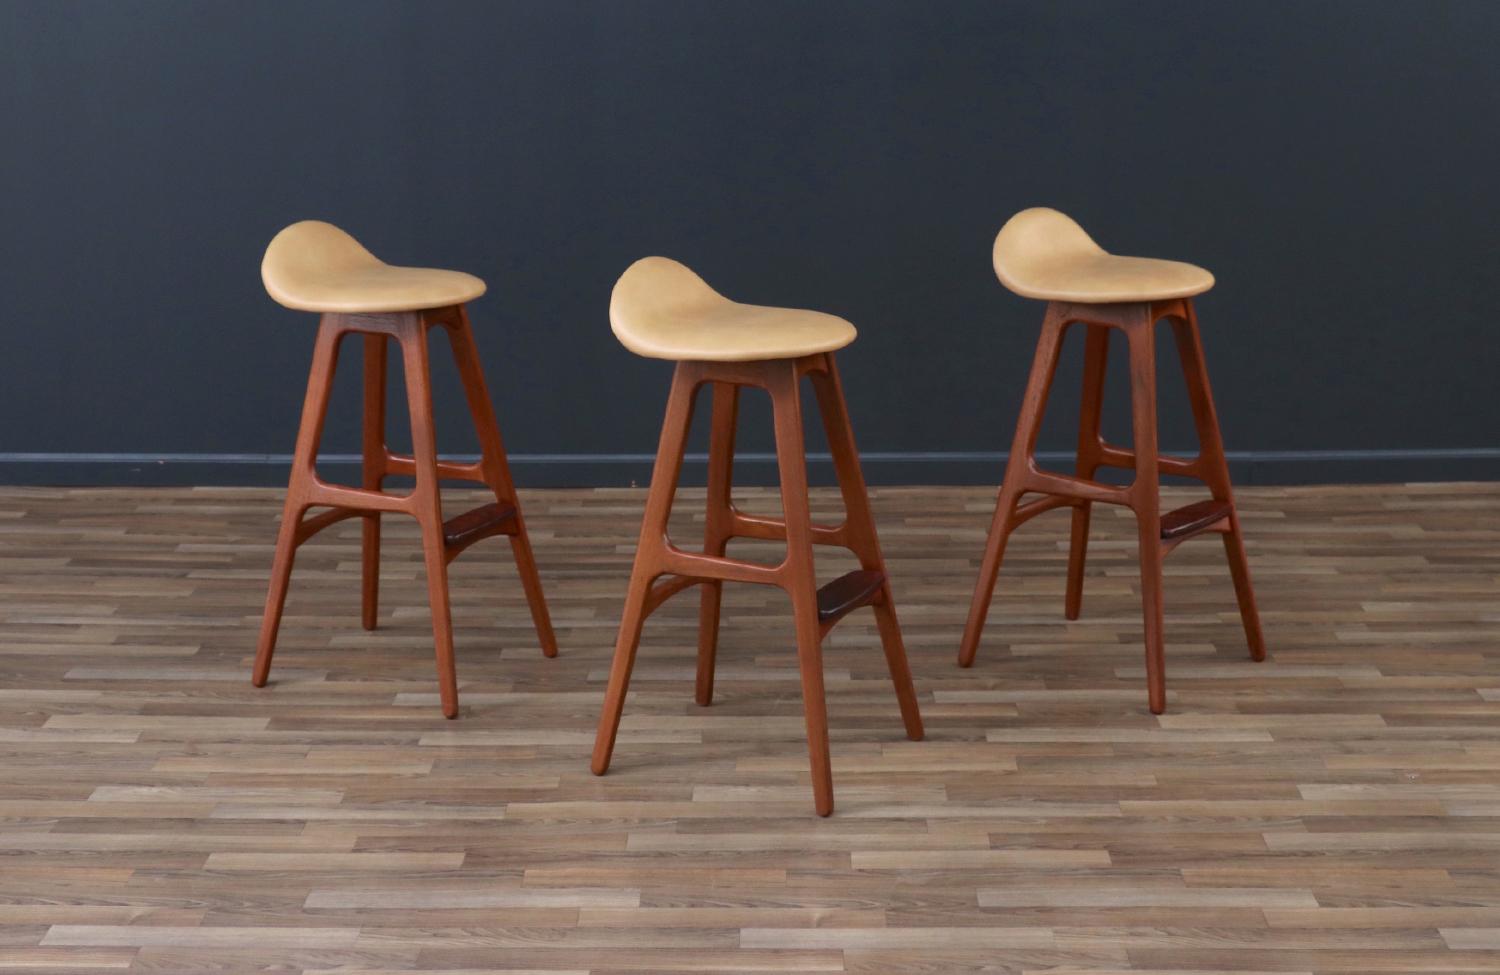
x,y
1334,809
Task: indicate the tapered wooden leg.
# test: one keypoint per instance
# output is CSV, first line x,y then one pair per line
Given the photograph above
x,y
427,507
374,476
281,575
1146,502
989,571
1018,465
497,474
716,528
1216,470
896,662
801,580
862,536
648,555
531,584
1095,359
1239,571
304,457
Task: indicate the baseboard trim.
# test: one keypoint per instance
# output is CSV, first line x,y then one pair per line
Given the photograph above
x,y
624,469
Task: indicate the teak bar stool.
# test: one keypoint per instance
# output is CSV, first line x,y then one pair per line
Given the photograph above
x,y
662,310
313,266
1041,253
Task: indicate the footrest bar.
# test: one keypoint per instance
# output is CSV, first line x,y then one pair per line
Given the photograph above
x,y
847,593
461,531
1185,522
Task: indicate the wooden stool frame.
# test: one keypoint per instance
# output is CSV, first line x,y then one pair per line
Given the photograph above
x,y
1159,532
815,611
441,541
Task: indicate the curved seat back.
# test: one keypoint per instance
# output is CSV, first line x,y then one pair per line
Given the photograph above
x,y
1035,241
308,253
657,290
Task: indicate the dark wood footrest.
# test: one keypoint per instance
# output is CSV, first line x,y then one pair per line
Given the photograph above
x,y
1192,519
848,592
464,530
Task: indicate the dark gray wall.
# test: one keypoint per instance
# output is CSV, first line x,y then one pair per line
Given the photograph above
x,y
1334,163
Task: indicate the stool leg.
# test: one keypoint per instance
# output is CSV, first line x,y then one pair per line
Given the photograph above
x,y
716,528
863,540
497,475
1216,470
374,475
304,457
648,557
1095,359
427,505
1146,500
1018,465
801,580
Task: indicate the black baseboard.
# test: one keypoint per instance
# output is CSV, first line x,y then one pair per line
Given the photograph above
x,y
623,470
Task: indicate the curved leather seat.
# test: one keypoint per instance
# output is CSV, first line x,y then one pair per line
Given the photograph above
x,y
315,266
662,310
1041,253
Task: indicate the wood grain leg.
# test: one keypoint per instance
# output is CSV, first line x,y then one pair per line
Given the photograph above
x,y
531,584
281,575
1146,502
374,451
862,536
648,557
427,506
896,662
1090,442
1215,469
1018,466
716,528
304,459
496,467
1239,571
801,581
989,572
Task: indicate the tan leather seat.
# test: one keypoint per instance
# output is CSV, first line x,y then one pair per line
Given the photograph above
x,y
662,310
1041,253
315,266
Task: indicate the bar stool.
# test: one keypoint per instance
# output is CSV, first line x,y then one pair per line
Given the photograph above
x,y
662,310
314,266
1041,253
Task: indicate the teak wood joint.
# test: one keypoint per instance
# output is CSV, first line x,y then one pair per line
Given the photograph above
x,y
442,540
662,570
1159,532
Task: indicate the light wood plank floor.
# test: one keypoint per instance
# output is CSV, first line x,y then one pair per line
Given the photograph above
x,y
1335,809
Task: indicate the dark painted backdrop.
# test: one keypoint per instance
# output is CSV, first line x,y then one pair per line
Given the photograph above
x,y
1334,163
